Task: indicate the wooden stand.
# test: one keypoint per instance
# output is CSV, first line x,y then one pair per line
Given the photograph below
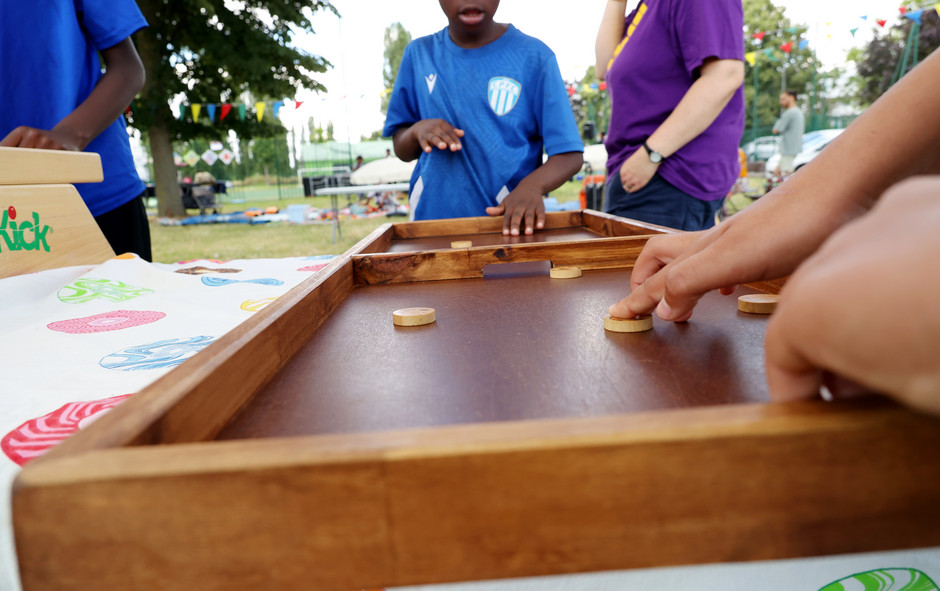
x,y
43,223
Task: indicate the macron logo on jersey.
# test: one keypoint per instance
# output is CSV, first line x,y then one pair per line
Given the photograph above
x,y
503,94
430,79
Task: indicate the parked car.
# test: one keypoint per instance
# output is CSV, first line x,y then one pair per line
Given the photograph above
x,y
813,143
762,148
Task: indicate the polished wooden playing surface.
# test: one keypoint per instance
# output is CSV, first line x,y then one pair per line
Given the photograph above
x,y
493,238
503,349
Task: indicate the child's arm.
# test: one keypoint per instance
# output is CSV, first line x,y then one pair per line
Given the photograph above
x,y
122,80
524,204
864,306
425,135
770,238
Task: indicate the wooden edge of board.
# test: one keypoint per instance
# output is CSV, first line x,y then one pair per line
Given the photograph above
x,y
379,240
611,225
477,225
28,166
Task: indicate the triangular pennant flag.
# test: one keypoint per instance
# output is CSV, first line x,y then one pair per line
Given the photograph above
x,y
864,17
197,107
226,107
750,57
803,44
241,111
792,30
881,22
759,36
182,112
277,107
902,10
786,47
853,31
297,104
210,108
915,16
937,8
259,110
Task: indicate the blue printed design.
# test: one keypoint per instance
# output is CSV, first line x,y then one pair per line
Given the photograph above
x,y
86,290
885,579
220,281
502,93
167,353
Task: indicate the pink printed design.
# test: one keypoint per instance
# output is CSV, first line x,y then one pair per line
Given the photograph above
x,y
107,321
34,438
313,267
217,261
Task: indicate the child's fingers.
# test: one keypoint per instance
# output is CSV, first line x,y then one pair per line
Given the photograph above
x,y
529,221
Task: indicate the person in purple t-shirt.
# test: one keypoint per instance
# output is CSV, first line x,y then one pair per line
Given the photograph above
x,y
675,73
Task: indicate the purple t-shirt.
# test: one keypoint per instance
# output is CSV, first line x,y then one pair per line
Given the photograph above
x,y
666,43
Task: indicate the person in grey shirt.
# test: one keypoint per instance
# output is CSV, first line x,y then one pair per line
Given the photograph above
x,y
790,126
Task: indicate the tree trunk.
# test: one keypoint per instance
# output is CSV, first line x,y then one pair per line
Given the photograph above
x,y
169,199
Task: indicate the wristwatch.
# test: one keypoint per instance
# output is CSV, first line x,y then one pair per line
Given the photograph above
x,y
655,157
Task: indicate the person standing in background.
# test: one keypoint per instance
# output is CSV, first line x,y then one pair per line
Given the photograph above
x,y
790,127
675,73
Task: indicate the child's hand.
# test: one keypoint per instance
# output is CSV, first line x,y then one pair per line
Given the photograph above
x,y
437,133
523,211
864,306
43,139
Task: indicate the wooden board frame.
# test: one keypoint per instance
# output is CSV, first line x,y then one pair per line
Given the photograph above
x,y
144,498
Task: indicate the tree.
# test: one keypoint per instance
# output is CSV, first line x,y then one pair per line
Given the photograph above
x,y
879,62
213,51
590,104
396,39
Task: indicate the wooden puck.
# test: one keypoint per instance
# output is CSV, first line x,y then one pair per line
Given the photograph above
x,y
564,272
413,316
758,303
461,244
638,324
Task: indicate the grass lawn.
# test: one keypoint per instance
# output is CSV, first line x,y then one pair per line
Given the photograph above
x,y
172,244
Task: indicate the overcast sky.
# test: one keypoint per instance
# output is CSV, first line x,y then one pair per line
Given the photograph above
x,y
354,44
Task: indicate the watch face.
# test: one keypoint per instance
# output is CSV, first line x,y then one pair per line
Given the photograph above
x,y
656,157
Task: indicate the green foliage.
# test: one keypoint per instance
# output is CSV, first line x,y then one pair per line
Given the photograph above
x,y
396,39
590,104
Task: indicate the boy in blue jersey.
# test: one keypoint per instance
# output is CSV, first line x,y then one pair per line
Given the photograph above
x,y
56,97
476,104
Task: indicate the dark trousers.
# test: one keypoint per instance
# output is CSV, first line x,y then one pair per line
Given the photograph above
x,y
659,202
127,229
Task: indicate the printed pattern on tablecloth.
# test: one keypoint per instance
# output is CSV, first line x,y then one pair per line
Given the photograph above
x,y
106,321
35,437
89,289
158,355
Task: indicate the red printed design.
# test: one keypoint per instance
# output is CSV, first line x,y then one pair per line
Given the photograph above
x,y
114,320
313,267
34,438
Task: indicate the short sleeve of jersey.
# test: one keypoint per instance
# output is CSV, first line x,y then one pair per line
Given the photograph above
x,y
402,107
708,29
559,129
108,22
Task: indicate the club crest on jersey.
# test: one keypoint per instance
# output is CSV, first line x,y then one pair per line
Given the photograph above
x,y
503,94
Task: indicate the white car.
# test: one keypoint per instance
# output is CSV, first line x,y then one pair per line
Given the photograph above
x,y
813,143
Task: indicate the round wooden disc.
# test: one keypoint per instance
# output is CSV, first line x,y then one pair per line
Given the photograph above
x,y
413,316
461,244
564,272
758,303
638,324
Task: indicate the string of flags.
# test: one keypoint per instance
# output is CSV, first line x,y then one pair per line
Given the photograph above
x,y
913,14
223,110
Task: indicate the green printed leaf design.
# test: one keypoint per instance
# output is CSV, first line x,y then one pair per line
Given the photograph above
x,y
886,579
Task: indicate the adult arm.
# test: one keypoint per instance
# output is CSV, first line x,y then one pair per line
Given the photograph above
x,y
609,35
122,80
770,238
524,209
699,107
864,306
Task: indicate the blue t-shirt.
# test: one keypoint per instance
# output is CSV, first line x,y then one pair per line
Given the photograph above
x,y
49,65
507,96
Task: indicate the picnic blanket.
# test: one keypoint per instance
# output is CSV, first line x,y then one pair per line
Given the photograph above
x,y
77,341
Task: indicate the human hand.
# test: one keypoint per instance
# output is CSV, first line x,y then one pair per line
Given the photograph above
x,y
637,171
864,306
523,211
437,133
44,139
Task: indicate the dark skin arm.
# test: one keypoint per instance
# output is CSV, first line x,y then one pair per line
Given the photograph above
x,y
122,80
523,209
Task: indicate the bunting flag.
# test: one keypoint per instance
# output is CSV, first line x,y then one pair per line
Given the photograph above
x,y
881,22
937,8
182,112
196,108
297,104
259,110
915,16
853,31
241,112
277,107
226,107
210,108
786,47
759,36
803,44
865,17
902,10
750,57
